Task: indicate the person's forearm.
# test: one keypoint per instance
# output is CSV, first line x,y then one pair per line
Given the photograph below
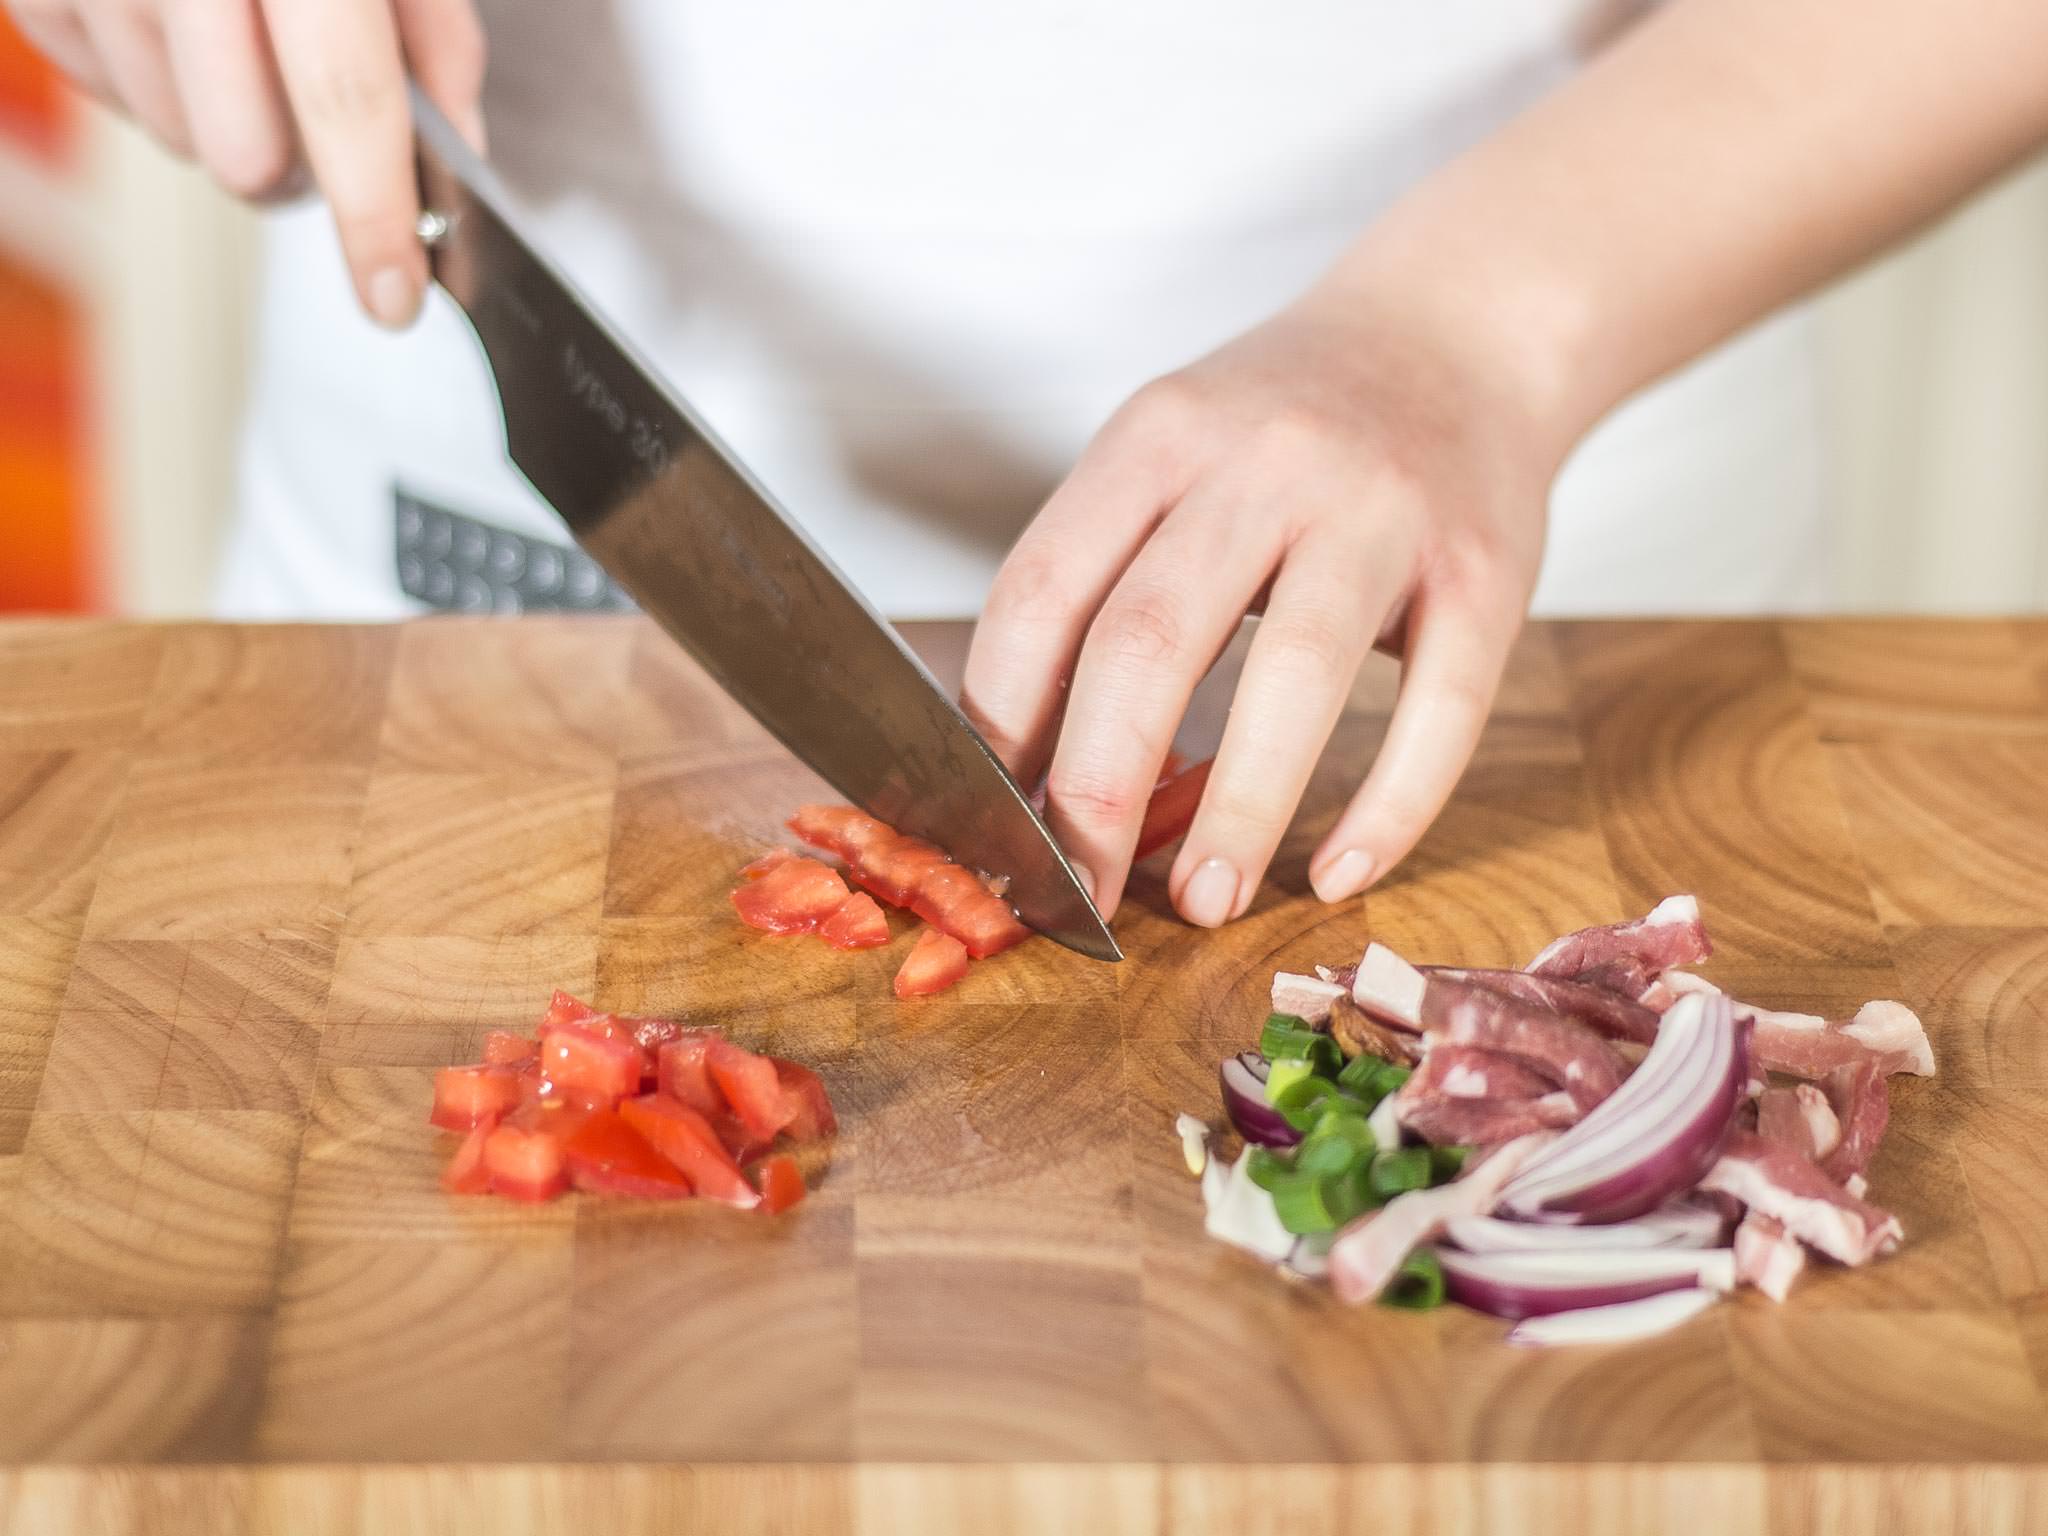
x,y
1719,160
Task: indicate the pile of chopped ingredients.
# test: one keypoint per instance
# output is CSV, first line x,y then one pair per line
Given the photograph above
x,y
1597,1146
616,1105
964,912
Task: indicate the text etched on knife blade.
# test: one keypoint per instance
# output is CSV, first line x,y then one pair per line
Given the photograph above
x,y
588,389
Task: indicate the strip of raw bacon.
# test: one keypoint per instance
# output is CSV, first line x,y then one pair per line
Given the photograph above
x,y
1812,1207
1613,1013
1888,1034
1766,1256
1670,934
1464,1072
1360,1034
1799,1118
1306,997
1860,1098
1445,1121
1368,1253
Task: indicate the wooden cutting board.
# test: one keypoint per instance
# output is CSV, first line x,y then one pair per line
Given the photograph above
x,y
255,884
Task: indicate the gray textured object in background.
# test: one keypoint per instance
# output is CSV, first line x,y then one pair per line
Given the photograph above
x,y
459,564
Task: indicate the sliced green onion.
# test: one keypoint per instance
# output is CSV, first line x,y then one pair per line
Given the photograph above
x,y
1446,1163
1395,1173
1283,1075
1302,1102
1267,1167
1302,1203
1371,1078
1285,1039
1418,1284
1338,1144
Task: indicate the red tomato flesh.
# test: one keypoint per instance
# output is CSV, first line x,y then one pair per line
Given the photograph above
x,y
773,858
686,1139
502,1048
752,1089
909,872
1172,809
524,1158
466,1173
469,1096
685,1074
606,1156
857,923
781,1181
935,962
794,897
812,1119
564,1009
579,1061
740,1143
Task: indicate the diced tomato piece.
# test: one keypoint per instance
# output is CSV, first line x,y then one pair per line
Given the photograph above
x,y
466,1173
1172,809
813,1119
538,1091
468,1096
740,1143
652,1034
781,1181
792,898
857,923
606,1156
524,1158
935,962
772,859
564,1009
943,888
685,1074
502,1048
985,925
895,868
686,1139
751,1087
579,1060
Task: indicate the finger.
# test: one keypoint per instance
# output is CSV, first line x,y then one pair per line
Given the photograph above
x,y
1457,647
1161,627
130,45
58,34
345,82
1058,575
444,45
220,54
1326,606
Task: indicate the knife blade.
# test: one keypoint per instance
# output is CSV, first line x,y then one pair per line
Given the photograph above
x,y
656,499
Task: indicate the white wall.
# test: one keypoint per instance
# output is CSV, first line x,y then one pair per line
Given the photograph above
x,y
1935,365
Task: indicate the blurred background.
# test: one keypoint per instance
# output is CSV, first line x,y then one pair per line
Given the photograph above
x,y
126,284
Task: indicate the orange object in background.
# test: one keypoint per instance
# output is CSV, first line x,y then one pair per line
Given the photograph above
x,y
47,552
47,561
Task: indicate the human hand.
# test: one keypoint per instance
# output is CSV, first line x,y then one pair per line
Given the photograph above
x,y
1362,472
245,85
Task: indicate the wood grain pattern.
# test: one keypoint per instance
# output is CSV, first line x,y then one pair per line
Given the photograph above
x,y
256,884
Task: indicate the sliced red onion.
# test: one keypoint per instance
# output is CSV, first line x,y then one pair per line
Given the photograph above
x,y
1516,1285
1675,1226
1243,1079
1621,1323
1657,1134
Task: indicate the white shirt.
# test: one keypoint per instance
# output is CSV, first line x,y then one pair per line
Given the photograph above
x,y
907,256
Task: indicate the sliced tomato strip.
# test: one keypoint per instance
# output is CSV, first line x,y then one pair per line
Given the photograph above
x,y
686,1139
857,923
685,1074
605,1155
793,897
1172,809
752,1089
781,1181
812,1118
465,1097
909,872
935,962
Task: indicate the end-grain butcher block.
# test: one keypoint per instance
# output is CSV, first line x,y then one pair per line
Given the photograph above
x,y
257,886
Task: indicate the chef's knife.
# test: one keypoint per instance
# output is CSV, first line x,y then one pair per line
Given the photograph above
x,y
681,524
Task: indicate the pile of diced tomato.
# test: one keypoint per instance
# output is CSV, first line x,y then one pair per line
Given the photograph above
x,y
618,1105
964,913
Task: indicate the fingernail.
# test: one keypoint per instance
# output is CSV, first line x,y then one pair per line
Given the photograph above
x,y
393,299
1210,896
1344,875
